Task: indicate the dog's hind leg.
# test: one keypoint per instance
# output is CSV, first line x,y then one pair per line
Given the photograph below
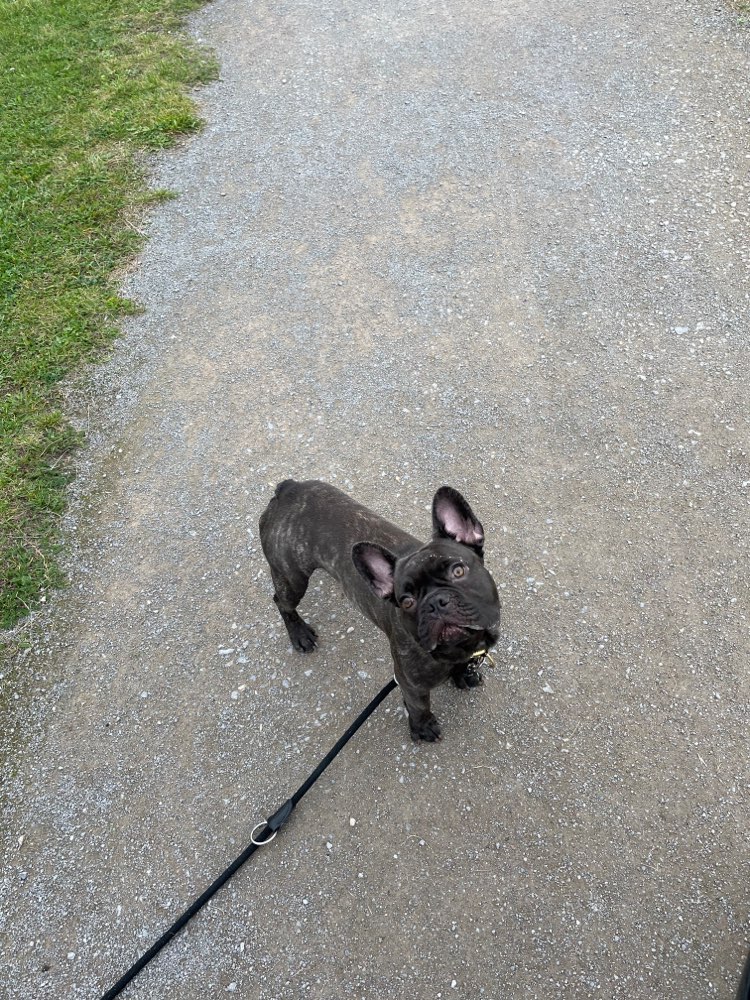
x,y
289,591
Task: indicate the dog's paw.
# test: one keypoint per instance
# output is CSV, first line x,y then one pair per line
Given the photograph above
x,y
428,730
467,677
303,636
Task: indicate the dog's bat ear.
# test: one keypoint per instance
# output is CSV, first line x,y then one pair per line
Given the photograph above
x,y
452,517
376,565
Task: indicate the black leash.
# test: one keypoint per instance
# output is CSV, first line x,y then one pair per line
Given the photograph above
x,y
743,993
270,828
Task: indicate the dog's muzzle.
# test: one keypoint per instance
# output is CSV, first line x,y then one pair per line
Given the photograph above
x,y
446,620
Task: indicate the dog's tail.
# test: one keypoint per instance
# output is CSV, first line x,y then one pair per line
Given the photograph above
x,y
271,513
284,486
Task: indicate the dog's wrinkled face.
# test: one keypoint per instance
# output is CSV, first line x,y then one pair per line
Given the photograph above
x,y
446,597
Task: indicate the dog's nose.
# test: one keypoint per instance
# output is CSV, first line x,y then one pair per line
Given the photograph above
x,y
439,602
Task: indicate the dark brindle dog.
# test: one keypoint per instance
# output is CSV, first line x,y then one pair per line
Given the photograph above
x,y
437,603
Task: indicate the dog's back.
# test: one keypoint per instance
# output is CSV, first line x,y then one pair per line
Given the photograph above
x,y
321,525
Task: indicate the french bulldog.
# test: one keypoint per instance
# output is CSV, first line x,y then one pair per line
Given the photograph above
x,y
436,602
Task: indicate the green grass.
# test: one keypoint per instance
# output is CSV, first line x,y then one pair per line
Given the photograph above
x,y
85,87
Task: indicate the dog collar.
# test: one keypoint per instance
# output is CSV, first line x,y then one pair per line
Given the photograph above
x,y
481,656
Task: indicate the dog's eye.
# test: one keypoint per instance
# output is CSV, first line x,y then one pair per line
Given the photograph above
x,y
407,603
458,571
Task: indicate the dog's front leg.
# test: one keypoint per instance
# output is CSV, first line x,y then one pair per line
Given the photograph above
x,y
416,695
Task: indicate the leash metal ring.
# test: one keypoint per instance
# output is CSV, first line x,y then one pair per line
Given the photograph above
x,y
260,843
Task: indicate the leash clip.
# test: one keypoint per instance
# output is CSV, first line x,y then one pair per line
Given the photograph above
x,y
481,657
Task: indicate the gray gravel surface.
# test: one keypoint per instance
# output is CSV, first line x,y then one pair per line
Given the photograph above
x,y
498,245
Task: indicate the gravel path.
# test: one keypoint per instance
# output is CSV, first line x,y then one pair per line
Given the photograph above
x,y
499,245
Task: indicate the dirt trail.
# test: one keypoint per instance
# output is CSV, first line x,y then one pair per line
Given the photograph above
x,y
498,245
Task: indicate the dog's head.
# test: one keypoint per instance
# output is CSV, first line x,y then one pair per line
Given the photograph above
x,y
446,597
